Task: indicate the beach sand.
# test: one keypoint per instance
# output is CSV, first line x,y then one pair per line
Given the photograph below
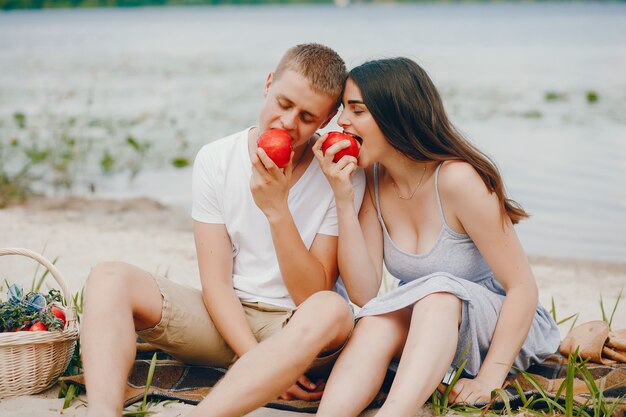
x,y
81,233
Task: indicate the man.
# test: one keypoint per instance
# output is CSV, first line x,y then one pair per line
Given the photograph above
x,y
266,242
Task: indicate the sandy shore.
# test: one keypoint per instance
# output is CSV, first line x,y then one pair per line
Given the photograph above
x,y
83,232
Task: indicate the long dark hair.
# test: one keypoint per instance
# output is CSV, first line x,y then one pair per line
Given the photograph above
x,y
409,111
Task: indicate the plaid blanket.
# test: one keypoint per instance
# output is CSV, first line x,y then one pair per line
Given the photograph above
x,y
190,384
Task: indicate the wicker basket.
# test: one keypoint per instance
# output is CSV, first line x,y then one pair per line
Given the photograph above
x,y
31,362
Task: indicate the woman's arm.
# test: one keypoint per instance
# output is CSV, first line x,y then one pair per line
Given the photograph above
x,y
360,248
478,212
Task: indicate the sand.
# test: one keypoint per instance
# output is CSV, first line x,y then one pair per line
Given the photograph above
x,y
81,233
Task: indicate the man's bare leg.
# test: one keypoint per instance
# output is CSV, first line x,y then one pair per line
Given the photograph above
x,y
322,322
120,298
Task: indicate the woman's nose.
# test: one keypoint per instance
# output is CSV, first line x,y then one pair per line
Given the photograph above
x,y
343,120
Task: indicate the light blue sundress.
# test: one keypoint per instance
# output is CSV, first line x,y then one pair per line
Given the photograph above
x,y
454,265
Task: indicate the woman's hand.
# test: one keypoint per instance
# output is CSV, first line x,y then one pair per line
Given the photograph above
x,y
471,391
339,174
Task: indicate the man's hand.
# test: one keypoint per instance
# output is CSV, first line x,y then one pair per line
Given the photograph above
x,y
470,391
269,184
305,390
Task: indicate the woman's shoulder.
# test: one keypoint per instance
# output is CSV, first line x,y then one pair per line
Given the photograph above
x,y
459,179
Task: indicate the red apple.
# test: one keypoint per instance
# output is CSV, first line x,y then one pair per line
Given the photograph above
x,y
38,327
334,137
277,145
58,313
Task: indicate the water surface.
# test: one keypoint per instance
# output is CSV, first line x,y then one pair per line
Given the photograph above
x,y
180,77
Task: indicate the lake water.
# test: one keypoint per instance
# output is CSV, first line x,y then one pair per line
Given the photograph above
x,y
180,77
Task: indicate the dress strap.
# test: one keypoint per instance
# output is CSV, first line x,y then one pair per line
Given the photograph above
x,y
376,166
439,205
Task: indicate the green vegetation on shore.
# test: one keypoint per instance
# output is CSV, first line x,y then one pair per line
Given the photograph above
x,y
52,4
48,4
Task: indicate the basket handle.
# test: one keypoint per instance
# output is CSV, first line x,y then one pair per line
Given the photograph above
x,y
53,270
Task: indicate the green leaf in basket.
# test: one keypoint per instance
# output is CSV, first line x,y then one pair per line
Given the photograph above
x,y
16,293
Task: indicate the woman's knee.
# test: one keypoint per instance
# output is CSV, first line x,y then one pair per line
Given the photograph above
x,y
385,334
440,303
391,324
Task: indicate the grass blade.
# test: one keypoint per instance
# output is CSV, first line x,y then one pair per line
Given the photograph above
x,y
573,323
149,380
69,396
455,378
550,403
139,413
505,399
520,392
569,385
575,315
619,297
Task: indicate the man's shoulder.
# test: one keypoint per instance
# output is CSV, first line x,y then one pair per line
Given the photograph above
x,y
226,144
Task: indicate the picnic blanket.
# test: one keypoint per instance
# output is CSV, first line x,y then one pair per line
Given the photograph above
x,y
174,380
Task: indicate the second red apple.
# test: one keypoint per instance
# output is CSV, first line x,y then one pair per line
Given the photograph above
x,y
334,137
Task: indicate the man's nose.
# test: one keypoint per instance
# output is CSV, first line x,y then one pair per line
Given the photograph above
x,y
289,120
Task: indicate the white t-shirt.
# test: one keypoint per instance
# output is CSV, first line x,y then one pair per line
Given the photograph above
x,y
221,194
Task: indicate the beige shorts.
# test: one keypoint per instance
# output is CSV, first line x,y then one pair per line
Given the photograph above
x,y
187,332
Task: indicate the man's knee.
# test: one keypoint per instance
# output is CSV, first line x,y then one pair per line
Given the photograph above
x,y
328,310
123,281
110,269
128,287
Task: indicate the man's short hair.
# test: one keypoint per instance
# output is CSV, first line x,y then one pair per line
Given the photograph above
x,y
319,64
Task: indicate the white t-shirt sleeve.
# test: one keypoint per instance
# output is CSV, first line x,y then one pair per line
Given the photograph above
x,y
205,188
330,224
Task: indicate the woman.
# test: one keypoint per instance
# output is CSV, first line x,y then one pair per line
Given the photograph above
x,y
437,215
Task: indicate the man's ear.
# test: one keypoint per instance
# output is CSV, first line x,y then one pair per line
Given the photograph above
x,y
330,117
268,83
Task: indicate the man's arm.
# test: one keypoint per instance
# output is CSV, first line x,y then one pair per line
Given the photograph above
x,y
215,260
304,271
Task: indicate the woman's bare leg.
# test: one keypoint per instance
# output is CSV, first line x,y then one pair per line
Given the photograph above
x,y
427,355
360,370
